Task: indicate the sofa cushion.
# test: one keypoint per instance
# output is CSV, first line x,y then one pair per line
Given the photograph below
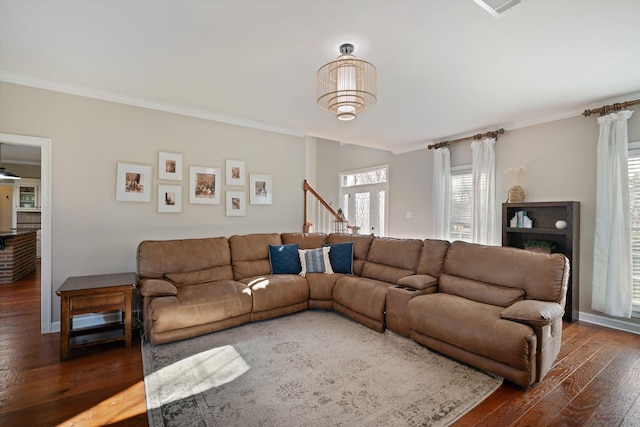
x,y
279,290
321,285
534,313
156,288
418,281
250,254
199,305
542,277
361,246
364,296
432,258
315,261
401,253
485,293
474,327
305,240
384,273
201,276
155,258
284,259
341,257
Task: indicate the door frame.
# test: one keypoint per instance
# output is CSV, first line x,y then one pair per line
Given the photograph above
x,y
45,194
368,187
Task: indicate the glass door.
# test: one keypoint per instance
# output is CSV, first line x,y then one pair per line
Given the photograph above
x,y
364,195
27,196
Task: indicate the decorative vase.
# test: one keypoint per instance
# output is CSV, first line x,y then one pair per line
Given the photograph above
x,y
515,195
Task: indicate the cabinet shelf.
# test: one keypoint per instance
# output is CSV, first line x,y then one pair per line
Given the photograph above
x,y
535,230
567,241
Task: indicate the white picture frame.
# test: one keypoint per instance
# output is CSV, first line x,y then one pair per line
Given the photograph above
x,y
133,182
260,189
170,166
236,172
169,198
236,203
204,185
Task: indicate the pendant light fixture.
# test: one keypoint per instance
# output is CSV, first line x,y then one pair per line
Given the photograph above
x,y
347,85
3,173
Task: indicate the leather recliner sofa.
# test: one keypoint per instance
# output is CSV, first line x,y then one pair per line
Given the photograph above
x,y
499,309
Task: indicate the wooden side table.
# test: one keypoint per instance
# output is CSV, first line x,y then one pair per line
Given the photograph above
x,y
95,294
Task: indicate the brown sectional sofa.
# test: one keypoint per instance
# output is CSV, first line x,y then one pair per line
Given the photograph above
x,y
499,309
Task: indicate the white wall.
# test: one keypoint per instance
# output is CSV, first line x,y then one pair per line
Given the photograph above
x,y
94,234
560,156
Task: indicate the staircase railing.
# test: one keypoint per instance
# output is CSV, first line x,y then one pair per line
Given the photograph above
x,y
319,216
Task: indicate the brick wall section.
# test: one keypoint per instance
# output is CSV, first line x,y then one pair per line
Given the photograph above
x,y
18,257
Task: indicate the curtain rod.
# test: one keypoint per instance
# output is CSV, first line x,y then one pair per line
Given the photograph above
x,y
492,134
609,108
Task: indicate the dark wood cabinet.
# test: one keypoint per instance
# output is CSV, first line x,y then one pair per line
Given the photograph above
x,y
567,241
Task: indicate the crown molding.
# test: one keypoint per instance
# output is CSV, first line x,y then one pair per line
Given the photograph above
x,y
143,103
561,115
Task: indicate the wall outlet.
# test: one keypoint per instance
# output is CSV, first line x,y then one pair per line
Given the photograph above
x,y
408,214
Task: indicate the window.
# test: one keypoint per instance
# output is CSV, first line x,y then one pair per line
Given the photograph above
x,y
461,199
634,201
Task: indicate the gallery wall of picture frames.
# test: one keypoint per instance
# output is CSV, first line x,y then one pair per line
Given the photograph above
x,y
133,184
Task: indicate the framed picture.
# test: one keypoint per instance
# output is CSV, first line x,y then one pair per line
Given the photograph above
x,y
170,198
204,185
236,172
260,189
133,183
236,203
170,166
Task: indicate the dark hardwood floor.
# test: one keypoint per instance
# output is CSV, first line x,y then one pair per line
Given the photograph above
x,y
595,381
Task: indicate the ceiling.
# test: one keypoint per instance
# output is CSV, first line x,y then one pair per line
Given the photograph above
x,y
446,68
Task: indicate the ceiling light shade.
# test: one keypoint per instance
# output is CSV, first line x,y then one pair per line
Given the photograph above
x,y
5,174
347,85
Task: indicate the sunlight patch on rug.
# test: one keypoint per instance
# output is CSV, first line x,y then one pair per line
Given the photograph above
x,y
309,368
194,374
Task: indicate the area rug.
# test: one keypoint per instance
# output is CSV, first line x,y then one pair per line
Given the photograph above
x,y
310,368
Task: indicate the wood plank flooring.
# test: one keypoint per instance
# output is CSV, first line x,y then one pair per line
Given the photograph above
x,y
594,382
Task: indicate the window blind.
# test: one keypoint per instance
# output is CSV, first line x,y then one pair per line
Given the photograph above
x,y
634,193
461,200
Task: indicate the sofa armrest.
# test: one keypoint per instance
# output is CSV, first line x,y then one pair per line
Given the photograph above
x,y
156,288
533,313
418,281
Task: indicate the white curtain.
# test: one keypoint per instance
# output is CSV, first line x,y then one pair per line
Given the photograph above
x,y
441,192
483,207
612,287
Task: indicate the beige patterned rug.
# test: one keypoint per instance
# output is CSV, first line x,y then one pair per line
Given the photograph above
x,y
311,368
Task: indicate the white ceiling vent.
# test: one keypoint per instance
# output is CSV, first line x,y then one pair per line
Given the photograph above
x,y
497,7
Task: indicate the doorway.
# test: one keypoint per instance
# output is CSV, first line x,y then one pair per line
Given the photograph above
x,y
364,199
45,194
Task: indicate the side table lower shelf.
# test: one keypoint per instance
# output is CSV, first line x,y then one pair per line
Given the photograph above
x,y
83,337
95,294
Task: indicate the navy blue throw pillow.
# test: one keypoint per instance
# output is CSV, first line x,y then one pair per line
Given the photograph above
x,y
284,259
341,257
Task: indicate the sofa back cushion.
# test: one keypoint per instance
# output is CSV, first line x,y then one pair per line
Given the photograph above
x,y
390,259
485,293
540,276
432,258
187,261
250,254
305,240
361,246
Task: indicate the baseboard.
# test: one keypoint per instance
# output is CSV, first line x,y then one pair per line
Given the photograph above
x,y
95,319
608,322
